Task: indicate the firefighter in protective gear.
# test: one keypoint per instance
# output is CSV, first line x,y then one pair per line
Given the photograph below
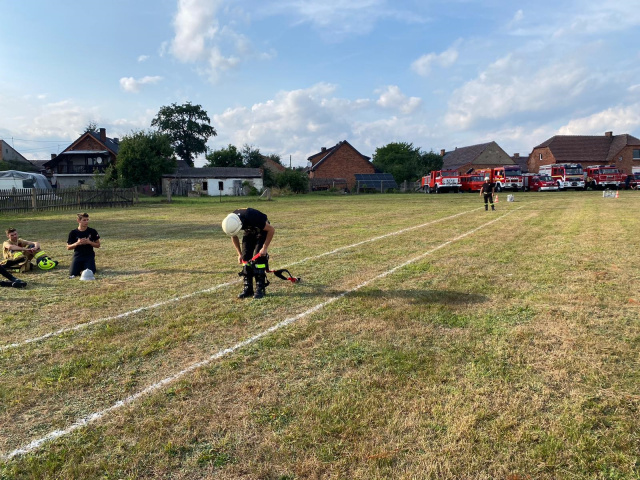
x,y
487,190
18,253
256,239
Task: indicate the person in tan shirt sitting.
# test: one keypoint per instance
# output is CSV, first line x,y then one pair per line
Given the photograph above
x,y
17,253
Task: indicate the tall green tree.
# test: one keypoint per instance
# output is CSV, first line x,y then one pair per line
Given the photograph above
x,y
404,161
188,127
295,180
92,126
225,157
143,158
251,157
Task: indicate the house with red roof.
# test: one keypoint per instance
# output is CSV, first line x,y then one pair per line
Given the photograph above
x,y
475,157
623,151
76,165
337,166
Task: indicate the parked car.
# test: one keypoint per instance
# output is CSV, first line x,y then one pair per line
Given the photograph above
x,y
540,183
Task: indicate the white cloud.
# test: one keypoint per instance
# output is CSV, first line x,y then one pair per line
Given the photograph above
x,y
194,23
132,85
143,58
300,122
507,87
392,98
518,17
423,65
202,37
617,119
601,18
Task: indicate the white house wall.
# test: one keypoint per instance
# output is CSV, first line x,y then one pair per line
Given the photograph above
x,y
213,185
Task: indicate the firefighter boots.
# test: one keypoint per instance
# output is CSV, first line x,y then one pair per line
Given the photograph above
x,y
261,283
248,286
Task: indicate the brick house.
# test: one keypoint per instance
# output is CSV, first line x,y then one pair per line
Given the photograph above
x,y
273,166
477,157
76,165
337,165
623,151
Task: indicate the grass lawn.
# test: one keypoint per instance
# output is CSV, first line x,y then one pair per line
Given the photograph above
x,y
428,339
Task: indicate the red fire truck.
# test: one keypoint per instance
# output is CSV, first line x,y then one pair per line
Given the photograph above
x,y
507,177
603,176
471,182
566,175
538,182
441,181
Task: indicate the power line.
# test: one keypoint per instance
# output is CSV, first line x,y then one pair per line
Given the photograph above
x,y
39,141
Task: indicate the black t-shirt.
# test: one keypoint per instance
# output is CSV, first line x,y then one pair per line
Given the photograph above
x,y
487,187
253,221
75,235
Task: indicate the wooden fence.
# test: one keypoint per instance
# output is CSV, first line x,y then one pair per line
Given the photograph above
x,y
33,199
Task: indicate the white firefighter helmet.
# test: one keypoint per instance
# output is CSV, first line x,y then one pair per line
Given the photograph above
x,y
486,179
232,224
87,275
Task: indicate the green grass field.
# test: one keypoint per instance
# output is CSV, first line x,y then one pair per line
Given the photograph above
x,y
506,344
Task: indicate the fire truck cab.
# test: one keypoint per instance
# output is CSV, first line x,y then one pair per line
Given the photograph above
x,y
441,181
603,176
566,175
538,182
471,182
507,177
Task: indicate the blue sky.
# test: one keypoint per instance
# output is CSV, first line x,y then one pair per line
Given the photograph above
x,y
292,76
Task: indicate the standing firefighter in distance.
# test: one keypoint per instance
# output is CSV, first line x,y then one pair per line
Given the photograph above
x,y
257,236
488,189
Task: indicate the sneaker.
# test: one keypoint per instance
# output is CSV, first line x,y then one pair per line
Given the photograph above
x,y
72,276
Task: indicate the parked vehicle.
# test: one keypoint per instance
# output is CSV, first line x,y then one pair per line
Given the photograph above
x,y
538,182
566,175
472,182
634,180
10,179
507,177
603,176
441,181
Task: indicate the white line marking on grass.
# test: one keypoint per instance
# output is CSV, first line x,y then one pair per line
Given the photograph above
x,y
82,326
92,418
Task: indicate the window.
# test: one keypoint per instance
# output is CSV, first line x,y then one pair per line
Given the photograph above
x,y
220,186
205,186
540,156
636,154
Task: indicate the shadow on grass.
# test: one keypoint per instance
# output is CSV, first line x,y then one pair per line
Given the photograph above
x,y
412,296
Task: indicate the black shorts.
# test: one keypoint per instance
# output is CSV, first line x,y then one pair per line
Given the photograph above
x,y
82,262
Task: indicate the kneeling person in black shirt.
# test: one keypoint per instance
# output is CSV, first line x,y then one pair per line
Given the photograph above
x,y
82,241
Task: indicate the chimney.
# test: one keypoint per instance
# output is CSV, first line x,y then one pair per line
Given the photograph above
x,y
608,134
323,149
516,155
442,152
116,140
53,155
103,135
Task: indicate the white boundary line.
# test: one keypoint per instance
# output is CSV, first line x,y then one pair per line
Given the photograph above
x,y
94,417
82,326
